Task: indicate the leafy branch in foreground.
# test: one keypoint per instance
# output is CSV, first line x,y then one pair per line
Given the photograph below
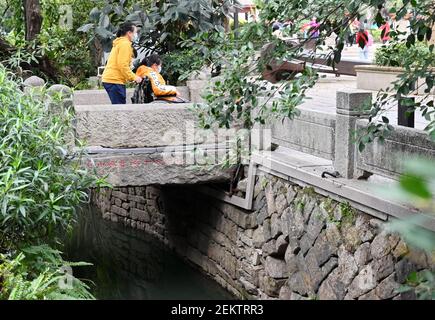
x,y
416,188
37,273
247,58
40,186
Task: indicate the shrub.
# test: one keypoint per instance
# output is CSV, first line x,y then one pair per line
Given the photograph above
x,y
40,185
395,54
36,273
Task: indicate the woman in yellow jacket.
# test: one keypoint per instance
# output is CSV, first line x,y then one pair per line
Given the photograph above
x,y
151,67
117,71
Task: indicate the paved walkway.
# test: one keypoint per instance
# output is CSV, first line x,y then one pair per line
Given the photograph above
x,y
323,98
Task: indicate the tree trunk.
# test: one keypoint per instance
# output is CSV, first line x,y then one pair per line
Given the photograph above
x,y
33,18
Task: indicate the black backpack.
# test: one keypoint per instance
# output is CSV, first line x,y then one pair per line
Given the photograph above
x,y
143,93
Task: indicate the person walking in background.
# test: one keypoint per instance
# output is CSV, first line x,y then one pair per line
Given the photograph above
x,y
403,26
364,42
117,71
385,32
313,28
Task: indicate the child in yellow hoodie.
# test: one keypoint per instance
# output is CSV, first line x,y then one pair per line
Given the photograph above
x,y
117,71
151,67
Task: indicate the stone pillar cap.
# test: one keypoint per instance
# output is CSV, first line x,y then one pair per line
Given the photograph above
x,y
34,81
60,88
354,102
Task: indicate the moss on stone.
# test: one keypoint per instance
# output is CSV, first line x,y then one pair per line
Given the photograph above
x,y
348,213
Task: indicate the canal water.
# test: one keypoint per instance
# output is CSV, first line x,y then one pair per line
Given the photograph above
x,y
130,264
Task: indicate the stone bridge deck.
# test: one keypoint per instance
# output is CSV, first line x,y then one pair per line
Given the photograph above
x,y
148,144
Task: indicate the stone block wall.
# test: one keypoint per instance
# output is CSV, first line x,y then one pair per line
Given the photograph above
x,y
136,207
295,245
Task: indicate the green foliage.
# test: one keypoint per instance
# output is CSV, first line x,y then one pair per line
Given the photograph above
x,y
178,65
170,22
376,34
347,212
248,56
163,26
104,19
416,188
398,54
66,49
423,283
40,184
37,273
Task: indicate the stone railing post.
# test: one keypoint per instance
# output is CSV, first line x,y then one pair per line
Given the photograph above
x,y
34,85
66,96
351,106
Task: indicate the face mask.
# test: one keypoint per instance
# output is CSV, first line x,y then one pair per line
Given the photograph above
x,y
135,38
160,69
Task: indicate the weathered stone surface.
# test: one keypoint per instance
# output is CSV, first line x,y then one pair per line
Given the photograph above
x,y
137,199
249,287
272,286
365,232
418,257
333,234
245,220
383,267
296,223
306,243
402,269
285,293
290,195
371,295
269,248
229,263
362,283
156,167
351,237
332,288
242,184
34,81
118,202
362,255
215,252
119,211
129,125
316,223
276,268
309,205
258,237
267,230
280,203
318,275
400,250
292,262
300,282
387,288
121,195
275,225
322,250
295,296
281,246
255,258
270,199
261,214
285,226
381,246
65,91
